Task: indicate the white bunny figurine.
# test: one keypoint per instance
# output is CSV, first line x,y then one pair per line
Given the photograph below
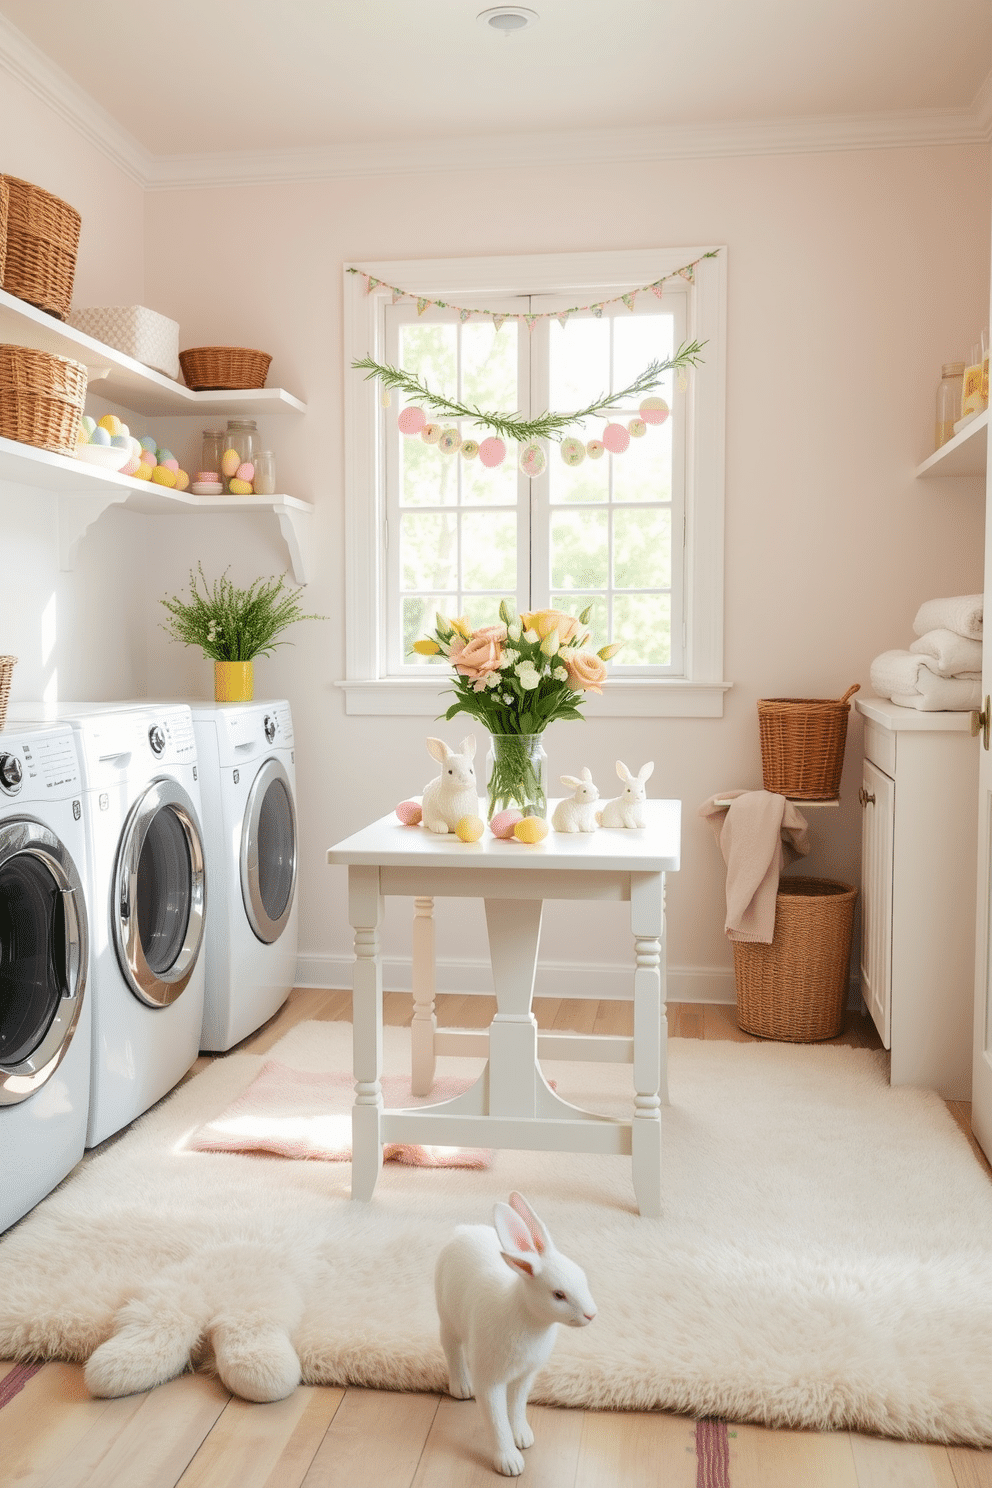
x,y
575,813
627,809
452,794
500,1294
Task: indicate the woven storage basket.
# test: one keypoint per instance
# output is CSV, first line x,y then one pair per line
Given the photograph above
x,y
42,240
41,398
7,665
802,745
206,367
4,210
796,988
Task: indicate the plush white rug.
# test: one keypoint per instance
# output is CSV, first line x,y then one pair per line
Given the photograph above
x,y
824,1260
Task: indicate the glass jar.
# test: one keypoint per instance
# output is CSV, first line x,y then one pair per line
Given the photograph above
x,y
971,396
515,775
242,435
948,401
265,473
212,453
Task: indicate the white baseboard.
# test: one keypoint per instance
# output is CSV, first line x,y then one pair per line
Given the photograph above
x,y
554,979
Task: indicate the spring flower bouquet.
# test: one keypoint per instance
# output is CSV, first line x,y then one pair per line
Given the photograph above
x,y
516,678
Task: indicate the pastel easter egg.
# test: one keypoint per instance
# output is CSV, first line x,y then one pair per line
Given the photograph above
x,y
147,457
120,441
503,823
82,437
450,441
533,460
111,423
410,813
229,462
100,436
87,423
636,428
431,433
239,487
245,471
492,452
163,476
595,449
132,466
182,480
163,455
411,420
470,448
470,828
531,829
171,464
573,451
653,410
615,438
148,443
144,471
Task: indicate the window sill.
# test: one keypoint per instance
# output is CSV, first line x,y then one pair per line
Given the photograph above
x,y
428,698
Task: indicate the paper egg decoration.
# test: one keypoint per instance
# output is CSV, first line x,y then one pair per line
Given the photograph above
x,y
449,441
653,410
503,823
470,448
573,451
533,460
531,829
470,828
410,813
595,449
636,428
615,438
431,433
492,452
229,462
411,420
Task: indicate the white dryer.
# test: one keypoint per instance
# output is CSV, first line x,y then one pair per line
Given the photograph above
x,y
248,785
141,801
44,997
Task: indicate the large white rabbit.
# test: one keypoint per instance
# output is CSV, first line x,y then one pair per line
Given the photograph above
x,y
501,1293
627,809
576,813
454,793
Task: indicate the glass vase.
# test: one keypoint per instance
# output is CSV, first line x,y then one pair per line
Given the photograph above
x,y
515,775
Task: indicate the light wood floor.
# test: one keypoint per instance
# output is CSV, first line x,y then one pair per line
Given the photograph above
x,y
193,1434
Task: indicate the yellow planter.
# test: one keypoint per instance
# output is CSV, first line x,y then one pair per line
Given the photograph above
x,y
234,681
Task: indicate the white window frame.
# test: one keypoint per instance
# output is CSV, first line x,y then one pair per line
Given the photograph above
x,y
697,694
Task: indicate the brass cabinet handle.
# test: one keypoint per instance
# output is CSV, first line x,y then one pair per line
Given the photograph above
x,y
866,798
980,723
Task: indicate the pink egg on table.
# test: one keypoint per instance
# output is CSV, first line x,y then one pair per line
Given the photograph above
x,y
503,823
246,471
616,438
172,465
409,813
411,420
492,452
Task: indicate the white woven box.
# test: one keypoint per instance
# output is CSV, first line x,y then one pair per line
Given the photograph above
x,y
137,331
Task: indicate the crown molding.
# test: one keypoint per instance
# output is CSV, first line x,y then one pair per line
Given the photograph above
x,y
915,127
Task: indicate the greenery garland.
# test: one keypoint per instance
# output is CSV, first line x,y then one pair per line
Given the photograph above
x,y
511,426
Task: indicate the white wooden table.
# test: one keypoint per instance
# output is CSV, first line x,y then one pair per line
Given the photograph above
x,y
511,1104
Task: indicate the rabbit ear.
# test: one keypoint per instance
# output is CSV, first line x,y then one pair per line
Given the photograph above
x,y
438,749
538,1230
516,1241
586,773
572,781
622,770
468,746
644,773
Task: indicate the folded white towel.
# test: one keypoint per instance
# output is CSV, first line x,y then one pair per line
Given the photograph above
x,y
962,613
908,672
942,694
948,653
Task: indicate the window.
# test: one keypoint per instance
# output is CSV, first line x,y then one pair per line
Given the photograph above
x,y
637,536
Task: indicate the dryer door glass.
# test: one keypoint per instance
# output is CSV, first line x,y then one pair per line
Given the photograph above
x,y
164,901
269,852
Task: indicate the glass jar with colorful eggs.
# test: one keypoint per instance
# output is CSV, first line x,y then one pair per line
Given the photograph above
x,y
109,443
238,460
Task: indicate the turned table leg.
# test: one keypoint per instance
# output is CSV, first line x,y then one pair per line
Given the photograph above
x,y
424,1025
650,1039
365,916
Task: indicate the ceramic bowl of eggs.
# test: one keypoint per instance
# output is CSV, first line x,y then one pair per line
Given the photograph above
x,y
107,443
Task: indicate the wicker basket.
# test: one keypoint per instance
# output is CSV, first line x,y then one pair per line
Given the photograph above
x,y
227,367
42,241
41,398
802,745
7,665
796,988
4,210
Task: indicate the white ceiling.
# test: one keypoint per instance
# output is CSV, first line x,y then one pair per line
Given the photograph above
x,y
197,77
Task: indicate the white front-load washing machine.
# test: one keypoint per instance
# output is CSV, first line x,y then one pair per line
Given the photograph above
x,y
248,787
141,801
44,996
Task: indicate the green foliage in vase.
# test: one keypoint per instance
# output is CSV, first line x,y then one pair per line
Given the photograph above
x,y
232,624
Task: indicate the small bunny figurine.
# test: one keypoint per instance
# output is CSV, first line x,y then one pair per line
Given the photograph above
x,y
626,810
500,1294
575,813
452,794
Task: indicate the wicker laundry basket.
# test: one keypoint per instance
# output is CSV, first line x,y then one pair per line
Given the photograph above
x,y
7,665
209,367
41,398
4,210
802,745
39,263
796,988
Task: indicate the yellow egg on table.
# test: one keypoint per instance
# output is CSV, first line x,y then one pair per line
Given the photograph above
x,y
470,828
229,462
163,476
531,829
239,487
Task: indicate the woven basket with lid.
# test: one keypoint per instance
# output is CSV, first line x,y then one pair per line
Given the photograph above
x,y
802,745
39,263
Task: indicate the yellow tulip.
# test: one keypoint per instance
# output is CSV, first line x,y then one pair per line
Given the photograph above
x,y
426,648
610,650
550,644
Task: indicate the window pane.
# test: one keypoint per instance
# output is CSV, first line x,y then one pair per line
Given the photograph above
x,y
489,366
638,340
598,623
482,487
419,619
429,552
579,557
482,609
642,549
489,550
580,362
427,478
644,472
429,351
643,622
589,481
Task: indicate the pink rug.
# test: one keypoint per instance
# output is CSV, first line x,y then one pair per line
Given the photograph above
x,y
307,1114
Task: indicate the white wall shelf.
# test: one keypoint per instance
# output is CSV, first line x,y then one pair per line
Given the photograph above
x,y
965,454
85,492
120,379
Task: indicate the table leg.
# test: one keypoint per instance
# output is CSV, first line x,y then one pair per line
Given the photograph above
x,y
650,1038
424,1025
365,917
514,927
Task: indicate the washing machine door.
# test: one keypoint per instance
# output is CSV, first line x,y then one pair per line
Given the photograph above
x,y
159,894
269,852
43,956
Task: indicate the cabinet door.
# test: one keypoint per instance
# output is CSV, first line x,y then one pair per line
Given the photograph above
x,y
877,815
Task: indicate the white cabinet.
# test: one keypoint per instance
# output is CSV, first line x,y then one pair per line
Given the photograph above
x,y
918,891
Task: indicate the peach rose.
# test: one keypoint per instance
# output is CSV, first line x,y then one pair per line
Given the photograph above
x,y
480,654
586,672
545,621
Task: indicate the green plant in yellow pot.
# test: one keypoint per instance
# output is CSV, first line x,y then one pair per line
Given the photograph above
x,y
232,626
